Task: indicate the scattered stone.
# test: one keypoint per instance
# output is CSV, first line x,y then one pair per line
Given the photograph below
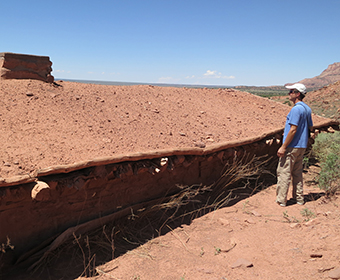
x,y
224,222
312,222
295,225
321,270
164,161
269,142
331,130
41,191
327,213
200,145
324,236
255,213
182,134
205,270
242,263
250,221
29,94
335,274
233,241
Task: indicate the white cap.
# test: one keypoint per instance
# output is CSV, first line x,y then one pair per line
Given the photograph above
x,y
300,87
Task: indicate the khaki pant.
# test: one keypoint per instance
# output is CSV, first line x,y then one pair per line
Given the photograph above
x,y
290,167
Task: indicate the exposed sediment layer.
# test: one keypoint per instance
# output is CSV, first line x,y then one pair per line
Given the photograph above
x,y
24,66
55,202
63,199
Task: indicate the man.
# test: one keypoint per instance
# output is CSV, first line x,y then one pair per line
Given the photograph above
x,y
295,139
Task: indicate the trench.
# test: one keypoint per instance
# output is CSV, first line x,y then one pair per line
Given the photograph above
x,y
132,198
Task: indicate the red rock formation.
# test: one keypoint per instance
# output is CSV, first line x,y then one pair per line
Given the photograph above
x,y
23,66
328,76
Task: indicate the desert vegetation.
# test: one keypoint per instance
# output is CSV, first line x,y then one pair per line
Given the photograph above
x,y
326,150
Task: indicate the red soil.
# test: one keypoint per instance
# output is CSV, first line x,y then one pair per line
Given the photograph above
x,y
45,125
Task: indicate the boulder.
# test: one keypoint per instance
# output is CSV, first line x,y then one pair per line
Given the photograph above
x,y
23,66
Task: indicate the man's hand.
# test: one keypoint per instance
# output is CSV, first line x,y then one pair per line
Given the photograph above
x,y
281,152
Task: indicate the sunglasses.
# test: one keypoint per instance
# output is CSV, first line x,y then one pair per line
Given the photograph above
x,y
293,91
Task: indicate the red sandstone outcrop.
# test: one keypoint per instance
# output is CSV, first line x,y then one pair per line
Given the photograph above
x,y
23,66
328,76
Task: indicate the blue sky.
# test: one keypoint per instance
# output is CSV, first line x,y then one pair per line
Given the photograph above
x,y
207,42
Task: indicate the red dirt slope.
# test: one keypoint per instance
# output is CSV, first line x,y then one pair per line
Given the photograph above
x,y
44,125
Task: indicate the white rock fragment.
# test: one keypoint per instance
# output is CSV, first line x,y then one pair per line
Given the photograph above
x,y
242,263
164,161
41,191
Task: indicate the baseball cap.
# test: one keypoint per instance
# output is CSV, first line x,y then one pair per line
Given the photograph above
x,y
300,87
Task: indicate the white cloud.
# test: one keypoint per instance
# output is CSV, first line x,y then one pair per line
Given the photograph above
x,y
210,73
216,75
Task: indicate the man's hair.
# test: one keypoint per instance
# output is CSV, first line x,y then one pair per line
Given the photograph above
x,y
301,96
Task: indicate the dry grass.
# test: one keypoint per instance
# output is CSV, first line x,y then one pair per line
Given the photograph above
x,y
240,179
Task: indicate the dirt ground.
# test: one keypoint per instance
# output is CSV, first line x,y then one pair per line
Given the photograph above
x,y
253,239
45,125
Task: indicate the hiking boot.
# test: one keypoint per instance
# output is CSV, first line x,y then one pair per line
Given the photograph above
x,y
281,204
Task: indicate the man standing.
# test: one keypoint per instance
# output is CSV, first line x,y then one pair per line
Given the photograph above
x,y
295,139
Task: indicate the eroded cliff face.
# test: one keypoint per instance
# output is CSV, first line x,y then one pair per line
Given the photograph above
x,y
39,214
328,76
36,215
23,66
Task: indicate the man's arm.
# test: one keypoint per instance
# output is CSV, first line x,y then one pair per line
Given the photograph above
x,y
289,138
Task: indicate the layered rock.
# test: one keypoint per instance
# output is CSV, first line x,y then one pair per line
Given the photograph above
x,y
23,66
328,76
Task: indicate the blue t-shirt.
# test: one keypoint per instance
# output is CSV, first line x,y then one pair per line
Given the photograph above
x,y
301,116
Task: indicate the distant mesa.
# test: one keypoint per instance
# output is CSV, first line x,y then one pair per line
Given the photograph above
x,y
24,66
328,76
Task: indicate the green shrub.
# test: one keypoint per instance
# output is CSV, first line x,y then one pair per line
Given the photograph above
x,y
326,150
329,177
326,143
